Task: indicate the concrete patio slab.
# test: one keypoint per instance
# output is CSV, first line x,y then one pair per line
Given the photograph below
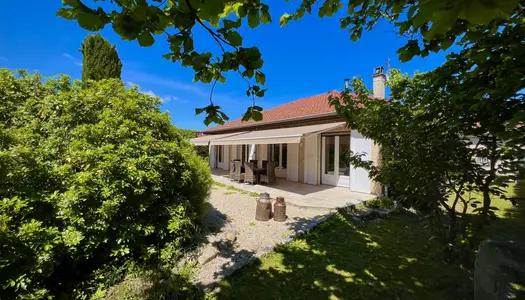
x,y
300,194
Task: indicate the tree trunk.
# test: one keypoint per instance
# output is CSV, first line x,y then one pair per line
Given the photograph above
x,y
492,175
486,201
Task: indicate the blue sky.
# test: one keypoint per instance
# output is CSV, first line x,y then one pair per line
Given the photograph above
x,y
307,57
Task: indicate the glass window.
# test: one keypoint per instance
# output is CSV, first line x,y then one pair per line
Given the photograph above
x,y
284,155
275,154
220,153
329,155
344,155
243,151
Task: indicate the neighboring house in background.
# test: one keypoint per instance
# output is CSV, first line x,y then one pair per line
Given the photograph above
x,y
305,138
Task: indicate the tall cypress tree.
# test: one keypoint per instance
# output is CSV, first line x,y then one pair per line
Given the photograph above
x,y
100,59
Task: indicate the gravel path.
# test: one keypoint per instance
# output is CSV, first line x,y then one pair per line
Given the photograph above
x,y
242,238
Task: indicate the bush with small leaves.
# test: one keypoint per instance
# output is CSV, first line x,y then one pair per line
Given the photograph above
x,y
89,177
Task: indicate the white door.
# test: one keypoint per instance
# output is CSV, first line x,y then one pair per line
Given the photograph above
x,y
335,166
310,159
359,180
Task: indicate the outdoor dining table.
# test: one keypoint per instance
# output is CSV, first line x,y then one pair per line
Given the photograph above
x,y
257,172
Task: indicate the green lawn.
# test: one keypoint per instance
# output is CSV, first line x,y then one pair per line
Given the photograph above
x,y
390,259
510,222
501,204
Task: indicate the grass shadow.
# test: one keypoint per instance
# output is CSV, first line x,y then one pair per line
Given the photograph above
x,y
341,259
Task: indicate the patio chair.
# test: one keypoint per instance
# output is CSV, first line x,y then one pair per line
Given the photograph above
x,y
232,170
237,175
269,177
249,176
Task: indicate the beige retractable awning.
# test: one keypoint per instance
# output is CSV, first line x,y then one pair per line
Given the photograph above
x,y
291,135
205,139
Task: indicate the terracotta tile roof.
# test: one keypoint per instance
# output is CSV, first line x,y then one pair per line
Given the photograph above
x,y
310,106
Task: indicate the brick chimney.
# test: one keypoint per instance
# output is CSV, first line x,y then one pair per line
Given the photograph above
x,y
379,79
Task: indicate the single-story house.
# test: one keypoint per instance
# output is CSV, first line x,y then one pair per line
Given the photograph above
x,y
305,138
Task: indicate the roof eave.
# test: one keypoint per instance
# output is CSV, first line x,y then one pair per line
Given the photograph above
x,y
247,125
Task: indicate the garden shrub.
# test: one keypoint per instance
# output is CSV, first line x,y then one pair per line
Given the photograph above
x,y
89,177
380,202
189,134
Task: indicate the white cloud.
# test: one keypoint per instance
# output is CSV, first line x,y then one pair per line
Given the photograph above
x,y
169,83
148,92
195,91
75,60
167,99
163,99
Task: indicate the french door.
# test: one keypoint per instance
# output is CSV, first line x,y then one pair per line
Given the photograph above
x,y
335,166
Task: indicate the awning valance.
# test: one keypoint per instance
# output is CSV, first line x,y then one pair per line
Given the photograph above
x,y
291,135
204,140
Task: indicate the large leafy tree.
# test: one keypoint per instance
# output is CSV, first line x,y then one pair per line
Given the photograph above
x,y
436,155
485,81
429,25
100,59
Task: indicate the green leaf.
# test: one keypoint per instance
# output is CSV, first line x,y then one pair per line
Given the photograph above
x,y
519,117
201,60
229,24
223,116
260,93
145,39
257,116
66,13
253,18
70,2
447,43
188,44
411,11
220,78
260,77
248,73
241,11
285,18
90,21
442,21
234,38
265,17
199,111
403,27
